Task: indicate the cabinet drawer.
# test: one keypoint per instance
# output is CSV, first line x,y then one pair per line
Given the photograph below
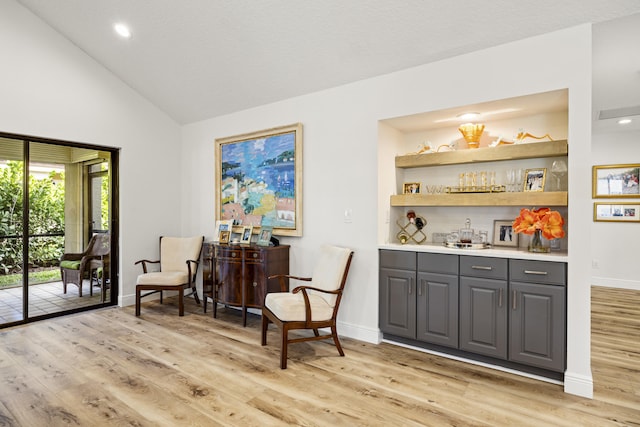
x,y
253,255
554,273
398,259
438,263
228,253
476,266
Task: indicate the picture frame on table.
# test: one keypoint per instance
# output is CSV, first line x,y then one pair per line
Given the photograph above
x,y
258,178
264,236
503,234
534,179
224,236
619,181
245,237
222,225
616,212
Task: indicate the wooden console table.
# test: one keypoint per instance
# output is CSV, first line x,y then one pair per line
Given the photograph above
x,y
236,275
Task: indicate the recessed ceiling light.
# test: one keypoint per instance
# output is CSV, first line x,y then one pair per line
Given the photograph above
x,y
122,30
624,121
468,116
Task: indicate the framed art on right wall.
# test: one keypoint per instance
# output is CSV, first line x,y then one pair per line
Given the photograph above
x,y
616,212
616,181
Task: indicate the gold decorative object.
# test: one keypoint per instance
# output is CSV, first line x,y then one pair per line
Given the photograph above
x,y
472,133
522,135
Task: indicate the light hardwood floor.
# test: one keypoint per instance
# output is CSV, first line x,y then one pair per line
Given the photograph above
x,y
108,367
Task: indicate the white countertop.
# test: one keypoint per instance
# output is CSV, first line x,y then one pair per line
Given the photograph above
x,y
495,252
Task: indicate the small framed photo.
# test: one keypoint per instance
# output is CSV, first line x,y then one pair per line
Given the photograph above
x,y
503,234
245,238
222,225
264,237
534,179
616,212
224,236
411,188
619,181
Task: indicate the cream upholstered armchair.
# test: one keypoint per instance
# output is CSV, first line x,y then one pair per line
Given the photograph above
x,y
179,260
309,307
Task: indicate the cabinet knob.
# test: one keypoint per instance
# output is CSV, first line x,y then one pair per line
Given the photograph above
x,y
255,284
255,255
233,254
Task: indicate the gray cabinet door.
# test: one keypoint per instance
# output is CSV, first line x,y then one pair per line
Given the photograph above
x,y
537,327
437,309
483,316
397,302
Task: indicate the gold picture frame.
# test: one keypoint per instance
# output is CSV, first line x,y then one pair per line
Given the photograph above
x,y
411,188
616,181
258,179
224,236
616,212
534,179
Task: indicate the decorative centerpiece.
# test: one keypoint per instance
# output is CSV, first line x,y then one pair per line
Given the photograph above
x,y
472,133
539,223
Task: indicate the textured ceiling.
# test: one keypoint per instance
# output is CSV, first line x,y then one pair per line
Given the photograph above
x,y
198,59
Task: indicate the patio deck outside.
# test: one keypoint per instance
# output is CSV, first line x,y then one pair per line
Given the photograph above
x,y
46,298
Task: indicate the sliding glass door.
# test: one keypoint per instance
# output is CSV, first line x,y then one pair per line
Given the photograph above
x,y
56,198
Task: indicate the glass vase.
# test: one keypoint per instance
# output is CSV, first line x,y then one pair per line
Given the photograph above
x,y
537,243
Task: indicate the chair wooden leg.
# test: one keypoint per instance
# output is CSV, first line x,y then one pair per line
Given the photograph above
x,y
283,347
181,303
265,327
334,333
160,297
137,301
195,295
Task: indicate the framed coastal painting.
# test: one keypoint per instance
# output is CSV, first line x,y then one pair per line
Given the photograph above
x,y
616,181
259,179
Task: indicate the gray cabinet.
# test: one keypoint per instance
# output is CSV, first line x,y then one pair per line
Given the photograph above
x,y
437,294
483,308
419,296
397,295
537,333
507,309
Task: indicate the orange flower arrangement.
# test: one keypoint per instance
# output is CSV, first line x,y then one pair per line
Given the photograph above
x,y
549,222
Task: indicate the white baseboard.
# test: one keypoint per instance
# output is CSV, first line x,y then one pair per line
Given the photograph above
x,y
370,335
580,385
615,283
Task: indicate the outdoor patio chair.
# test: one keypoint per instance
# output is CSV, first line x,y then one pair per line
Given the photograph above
x,y
74,267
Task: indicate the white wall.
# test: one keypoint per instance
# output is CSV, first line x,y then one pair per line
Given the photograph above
x,y
341,164
614,251
49,88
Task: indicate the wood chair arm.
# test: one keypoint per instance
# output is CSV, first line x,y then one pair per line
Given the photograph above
x,y
144,263
192,278
307,303
283,285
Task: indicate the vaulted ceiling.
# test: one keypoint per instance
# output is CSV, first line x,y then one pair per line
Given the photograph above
x,y
198,59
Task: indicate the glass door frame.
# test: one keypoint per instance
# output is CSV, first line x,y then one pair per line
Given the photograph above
x,y
26,235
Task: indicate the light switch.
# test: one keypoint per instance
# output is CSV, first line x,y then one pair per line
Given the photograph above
x,y
348,215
